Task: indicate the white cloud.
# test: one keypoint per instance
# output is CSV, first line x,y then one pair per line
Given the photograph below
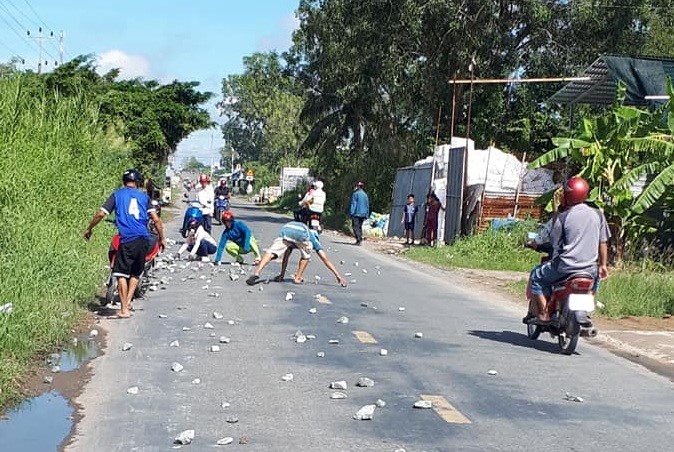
x,y
281,38
130,66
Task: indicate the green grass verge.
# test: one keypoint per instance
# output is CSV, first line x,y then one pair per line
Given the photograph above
x,y
626,293
56,169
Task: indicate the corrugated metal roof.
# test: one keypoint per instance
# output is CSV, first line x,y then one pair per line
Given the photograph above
x,y
604,77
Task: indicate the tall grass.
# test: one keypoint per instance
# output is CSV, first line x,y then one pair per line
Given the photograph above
x,y
492,250
56,168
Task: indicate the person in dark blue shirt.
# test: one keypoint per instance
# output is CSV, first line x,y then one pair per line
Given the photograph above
x,y
132,209
409,219
359,210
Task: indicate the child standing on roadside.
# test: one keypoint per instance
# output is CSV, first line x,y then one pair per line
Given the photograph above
x,y
409,219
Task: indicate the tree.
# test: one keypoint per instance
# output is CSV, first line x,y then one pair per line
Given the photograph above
x,y
262,108
192,164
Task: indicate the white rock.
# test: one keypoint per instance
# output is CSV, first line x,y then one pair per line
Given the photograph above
x,y
383,352
185,437
196,381
317,279
333,341
364,270
343,320
289,296
132,390
320,354
311,336
217,316
423,404
338,395
127,346
177,367
380,403
313,311
225,441
418,335
338,385
152,288
186,328
572,398
208,326
260,289
401,309
55,369
492,372
93,333
364,382
233,277
174,344
224,340
356,263
215,348
213,294
162,316
341,262
48,380
287,377
225,404
231,322
366,413
347,274
235,264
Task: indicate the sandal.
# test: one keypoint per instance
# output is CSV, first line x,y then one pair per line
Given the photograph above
x,y
252,279
278,278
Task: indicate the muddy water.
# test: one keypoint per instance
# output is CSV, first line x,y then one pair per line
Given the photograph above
x,y
42,423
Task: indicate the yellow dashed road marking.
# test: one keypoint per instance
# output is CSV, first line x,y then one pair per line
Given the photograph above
x,y
365,337
322,299
445,410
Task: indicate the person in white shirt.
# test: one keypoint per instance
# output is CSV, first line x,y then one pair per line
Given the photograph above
x,y
317,201
206,197
199,242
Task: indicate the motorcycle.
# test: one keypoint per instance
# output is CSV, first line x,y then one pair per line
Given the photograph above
x,y
570,305
111,293
221,205
314,221
193,211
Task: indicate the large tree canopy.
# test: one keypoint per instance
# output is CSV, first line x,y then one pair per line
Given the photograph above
x,y
375,76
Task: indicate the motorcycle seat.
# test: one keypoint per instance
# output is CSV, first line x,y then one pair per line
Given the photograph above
x,y
586,278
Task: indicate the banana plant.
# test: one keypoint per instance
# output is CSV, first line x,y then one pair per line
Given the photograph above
x,y
613,151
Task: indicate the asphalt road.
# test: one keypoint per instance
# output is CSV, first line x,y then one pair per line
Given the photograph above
x,y
522,407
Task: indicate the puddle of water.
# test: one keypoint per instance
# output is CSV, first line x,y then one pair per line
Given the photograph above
x,y
37,424
80,350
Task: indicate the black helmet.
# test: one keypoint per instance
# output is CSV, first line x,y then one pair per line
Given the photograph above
x,y
132,175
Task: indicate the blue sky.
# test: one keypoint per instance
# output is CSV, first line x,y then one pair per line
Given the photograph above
x,y
201,40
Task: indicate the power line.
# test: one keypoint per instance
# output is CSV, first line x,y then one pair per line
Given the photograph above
x,y
37,15
23,14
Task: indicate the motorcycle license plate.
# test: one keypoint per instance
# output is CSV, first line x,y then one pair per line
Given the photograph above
x,y
314,223
581,302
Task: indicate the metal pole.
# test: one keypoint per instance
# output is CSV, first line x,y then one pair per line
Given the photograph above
x,y
519,185
519,80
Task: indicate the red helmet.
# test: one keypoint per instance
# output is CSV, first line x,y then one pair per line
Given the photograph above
x,y
227,215
223,182
204,179
576,190
193,224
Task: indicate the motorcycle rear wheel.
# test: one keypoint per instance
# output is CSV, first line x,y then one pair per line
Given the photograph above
x,y
111,294
568,339
533,330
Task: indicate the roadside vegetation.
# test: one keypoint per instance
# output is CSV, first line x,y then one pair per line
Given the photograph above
x,y
644,288
65,139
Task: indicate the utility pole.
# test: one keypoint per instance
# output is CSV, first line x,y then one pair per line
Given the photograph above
x,y
39,39
61,47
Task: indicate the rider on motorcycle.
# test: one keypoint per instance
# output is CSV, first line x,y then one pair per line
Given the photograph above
x,y
579,240
198,242
313,202
223,190
132,208
206,197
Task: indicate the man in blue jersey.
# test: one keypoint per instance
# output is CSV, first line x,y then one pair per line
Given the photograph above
x,y
132,208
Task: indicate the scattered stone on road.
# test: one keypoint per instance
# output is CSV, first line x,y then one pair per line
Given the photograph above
x,y
208,326
364,382
366,413
333,341
225,441
338,395
572,398
215,348
217,315
232,419
493,372
313,311
338,385
423,404
383,352
132,390
380,403
419,335
224,340
343,320
177,367
184,438
174,344
287,377
127,346
48,380
320,354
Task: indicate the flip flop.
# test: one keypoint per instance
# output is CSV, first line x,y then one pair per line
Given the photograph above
x,y
278,278
252,279
117,317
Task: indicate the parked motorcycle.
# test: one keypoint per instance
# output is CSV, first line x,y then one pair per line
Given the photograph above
x,y
112,294
221,205
570,305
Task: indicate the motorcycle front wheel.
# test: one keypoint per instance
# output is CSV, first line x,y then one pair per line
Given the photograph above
x,y
568,338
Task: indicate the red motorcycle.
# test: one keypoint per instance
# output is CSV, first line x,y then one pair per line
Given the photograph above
x,y
112,294
570,306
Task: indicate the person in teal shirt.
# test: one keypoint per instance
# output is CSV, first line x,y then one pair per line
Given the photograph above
x,y
236,239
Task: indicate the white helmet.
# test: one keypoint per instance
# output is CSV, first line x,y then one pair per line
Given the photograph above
x,y
318,184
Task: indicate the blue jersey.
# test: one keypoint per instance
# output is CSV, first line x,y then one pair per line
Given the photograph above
x,y
131,207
